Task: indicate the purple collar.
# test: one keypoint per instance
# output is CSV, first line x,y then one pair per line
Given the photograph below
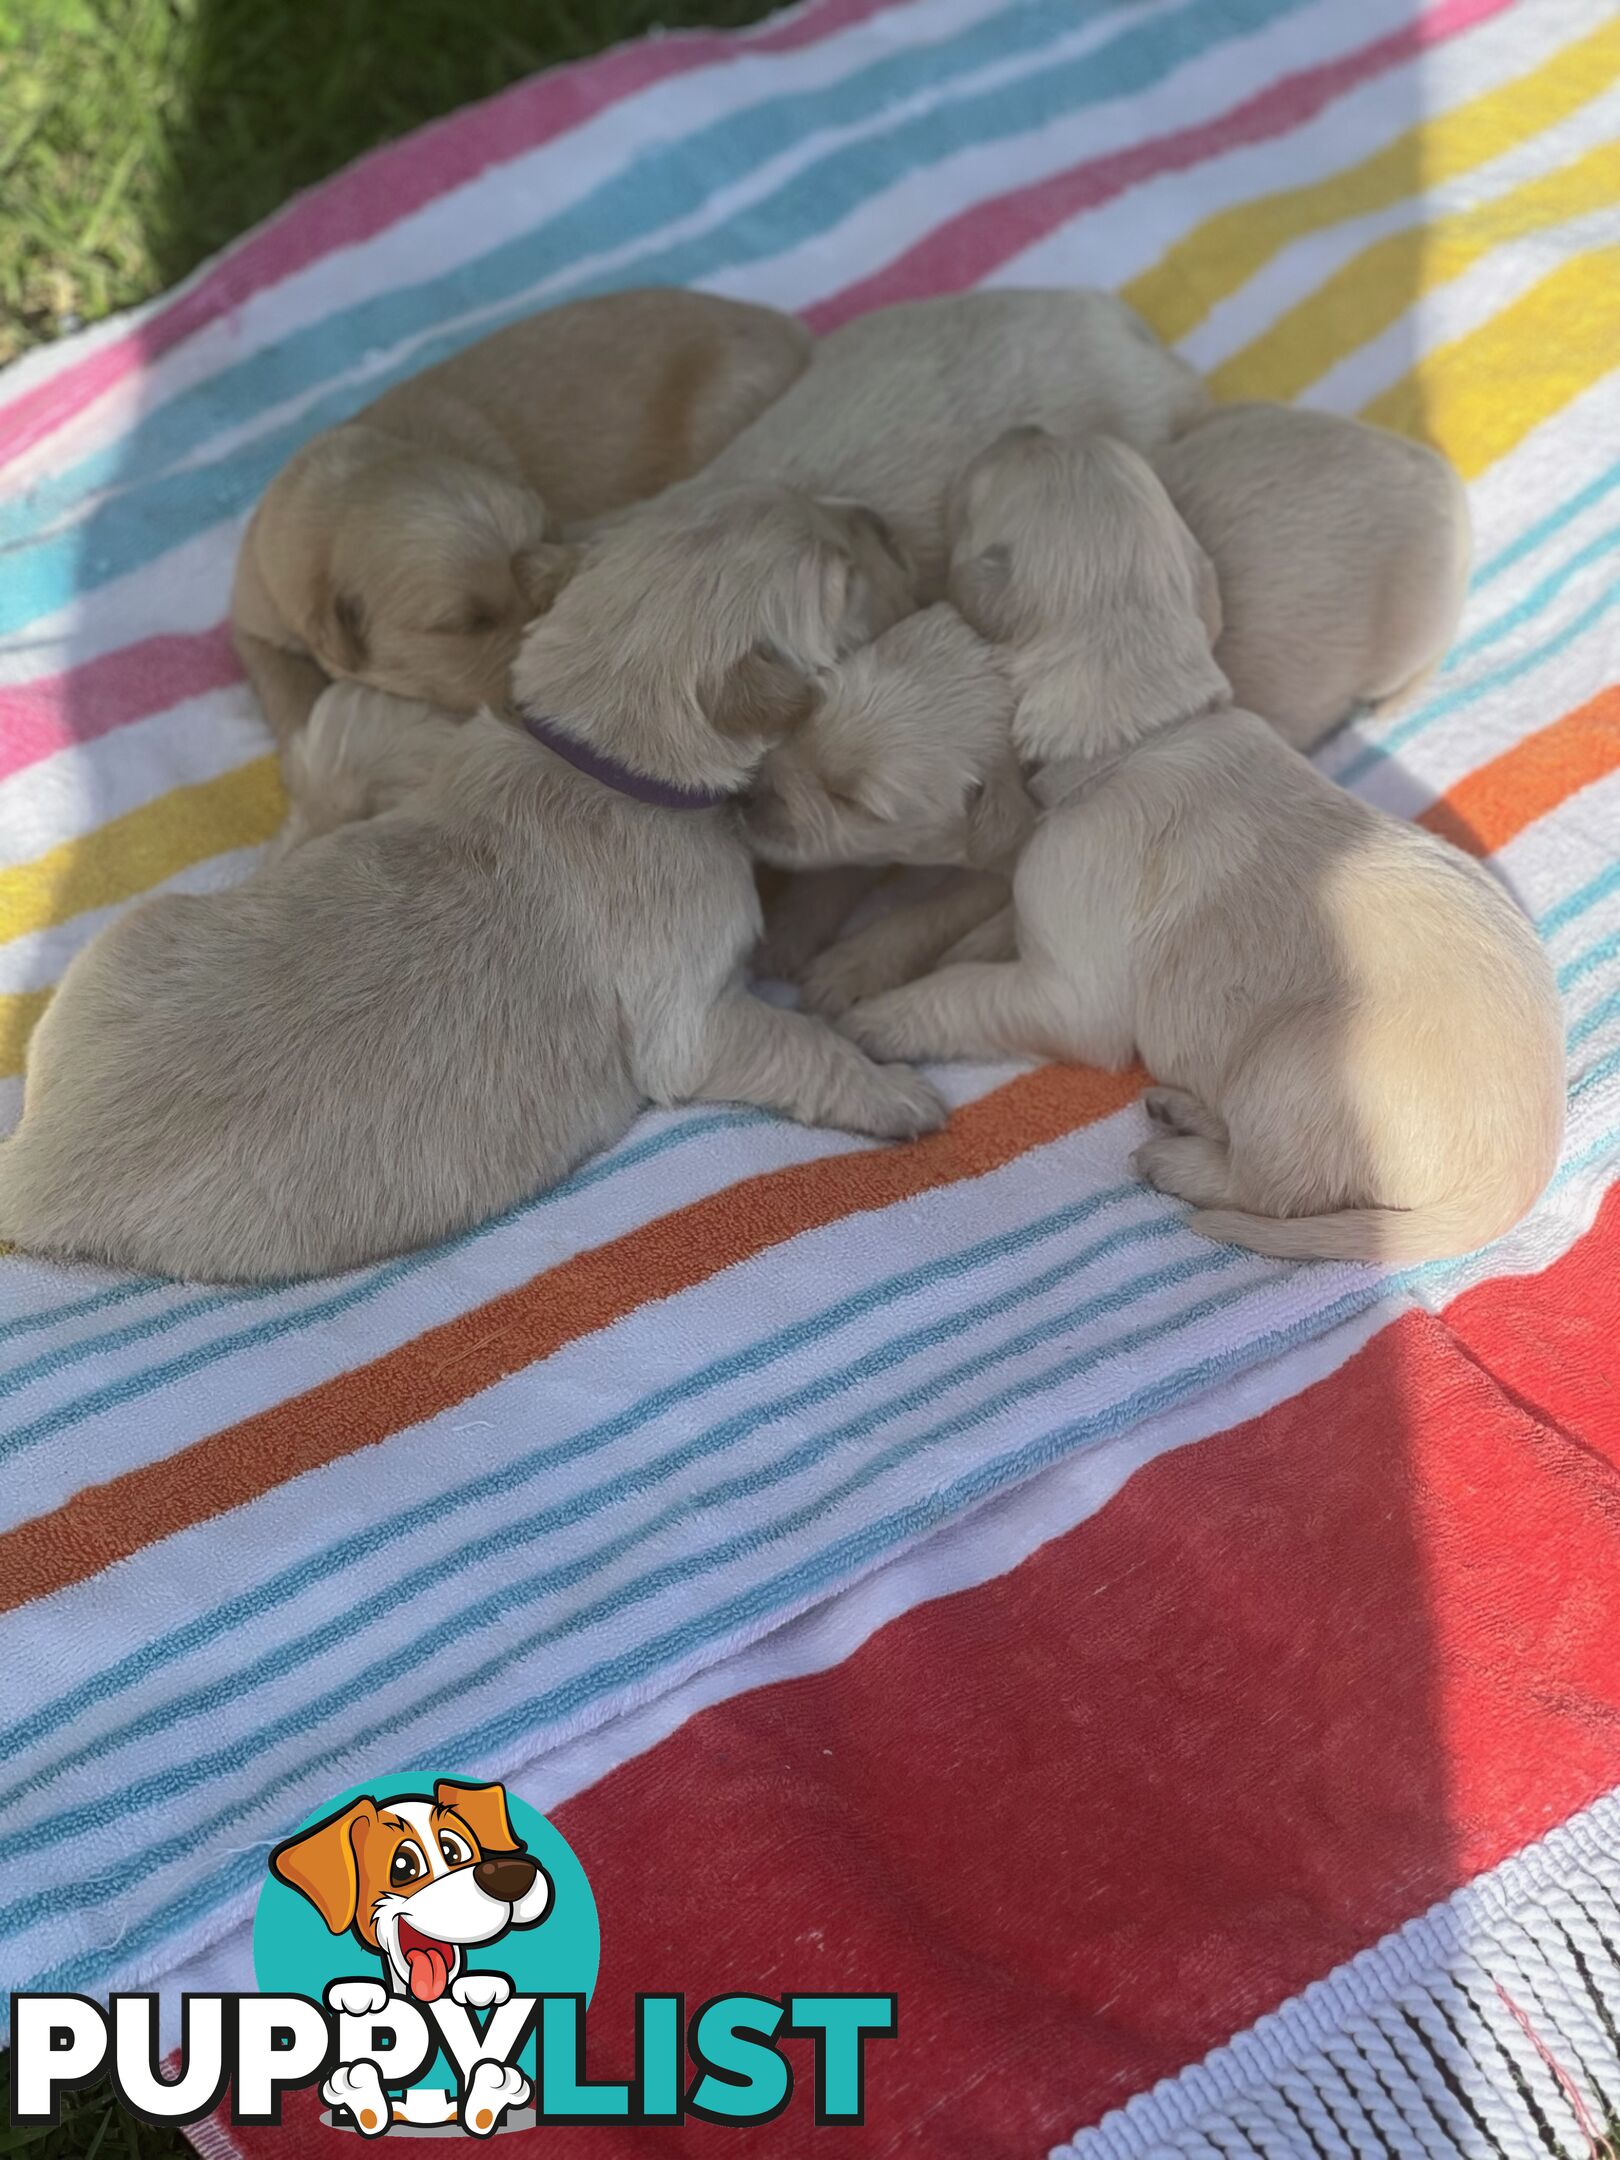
x,y
640,787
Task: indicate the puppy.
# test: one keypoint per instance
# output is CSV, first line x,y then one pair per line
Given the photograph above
x,y
893,404
903,755
408,548
395,1030
1359,1033
1342,553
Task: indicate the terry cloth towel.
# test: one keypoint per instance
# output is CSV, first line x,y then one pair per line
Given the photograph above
x,y
515,1504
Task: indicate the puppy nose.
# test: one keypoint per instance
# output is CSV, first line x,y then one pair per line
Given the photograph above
x,y
505,1875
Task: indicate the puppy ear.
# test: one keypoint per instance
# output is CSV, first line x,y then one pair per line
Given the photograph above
x,y
323,1864
760,697
543,570
483,1809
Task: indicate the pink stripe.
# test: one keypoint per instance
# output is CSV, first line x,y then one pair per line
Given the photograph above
x,y
969,247
393,183
53,712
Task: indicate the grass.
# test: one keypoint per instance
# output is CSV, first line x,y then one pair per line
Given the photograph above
x,y
138,136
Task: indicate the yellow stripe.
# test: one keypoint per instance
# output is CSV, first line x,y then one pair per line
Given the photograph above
x,y
1226,250
1478,397
19,1016
134,852
1380,284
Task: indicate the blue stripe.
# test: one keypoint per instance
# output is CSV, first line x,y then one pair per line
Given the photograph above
x,y
1470,693
114,1394
1605,1009
509,1478
1595,1075
1606,949
362,1288
1532,537
515,1593
133,527
1536,599
54,1315
89,1891
1586,896
790,1588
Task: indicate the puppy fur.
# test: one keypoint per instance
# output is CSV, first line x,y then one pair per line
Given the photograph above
x,y
1342,553
1358,1033
395,1030
904,756
894,404
408,548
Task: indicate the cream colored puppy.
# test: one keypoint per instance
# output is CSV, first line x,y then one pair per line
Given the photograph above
x,y
894,404
409,547
903,755
1358,1032
395,1030
1342,553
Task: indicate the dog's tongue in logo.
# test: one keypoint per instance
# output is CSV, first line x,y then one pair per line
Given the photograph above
x,y
428,1961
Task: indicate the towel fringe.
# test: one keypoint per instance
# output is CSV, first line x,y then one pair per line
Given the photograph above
x,y
1487,2029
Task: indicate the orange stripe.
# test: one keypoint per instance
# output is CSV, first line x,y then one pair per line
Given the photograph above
x,y
1491,806
435,1371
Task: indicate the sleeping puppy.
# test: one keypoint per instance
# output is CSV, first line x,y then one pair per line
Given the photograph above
x,y
1342,553
395,1030
408,548
1358,1034
903,755
894,404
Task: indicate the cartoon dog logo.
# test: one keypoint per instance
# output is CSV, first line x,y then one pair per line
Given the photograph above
x,y
418,1881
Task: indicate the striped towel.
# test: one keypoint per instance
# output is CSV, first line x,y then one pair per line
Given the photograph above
x,y
522,1503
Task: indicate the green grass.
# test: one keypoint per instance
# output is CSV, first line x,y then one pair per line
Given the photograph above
x,y
137,136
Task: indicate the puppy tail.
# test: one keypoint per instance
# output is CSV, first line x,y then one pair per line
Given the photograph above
x,y
1381,1236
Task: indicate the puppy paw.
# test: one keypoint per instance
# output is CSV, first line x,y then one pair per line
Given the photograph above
x,y
481,1990
357,1998
1179,1112
899,1105
358,2088
491,2090
844,975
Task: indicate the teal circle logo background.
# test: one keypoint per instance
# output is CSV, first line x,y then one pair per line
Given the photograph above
x,y
295,1954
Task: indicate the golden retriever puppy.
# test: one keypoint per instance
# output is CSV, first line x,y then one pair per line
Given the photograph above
x,y
408,548
1342,553
894,404
1358,1033
903,754
393,1031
